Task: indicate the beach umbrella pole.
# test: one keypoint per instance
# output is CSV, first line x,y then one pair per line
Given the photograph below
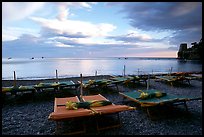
x,y
57,80
124,71
14,75
148,82
81,87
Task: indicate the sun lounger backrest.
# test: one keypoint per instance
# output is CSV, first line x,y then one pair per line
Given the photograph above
x,y
61,113
94,97
62,101
108,109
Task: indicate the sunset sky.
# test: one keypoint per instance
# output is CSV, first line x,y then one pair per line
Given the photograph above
x,y
99,29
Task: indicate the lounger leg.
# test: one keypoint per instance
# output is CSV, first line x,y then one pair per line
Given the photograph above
x,y
189,82
57,128
148,112
117,87
33,95
146,82
79,131
171,84
110,126
185,105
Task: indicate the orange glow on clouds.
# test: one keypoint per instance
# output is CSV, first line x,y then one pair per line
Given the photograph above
x,y
165,54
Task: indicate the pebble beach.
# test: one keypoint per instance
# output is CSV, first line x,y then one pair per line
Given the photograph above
x,y
28,115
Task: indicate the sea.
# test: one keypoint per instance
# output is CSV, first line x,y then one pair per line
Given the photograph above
x,y
46,68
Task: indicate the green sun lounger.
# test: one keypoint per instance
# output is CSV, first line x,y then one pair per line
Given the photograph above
x,y
173,79
70,83
165,99
95,83
41,86
15,89
121,80
153,101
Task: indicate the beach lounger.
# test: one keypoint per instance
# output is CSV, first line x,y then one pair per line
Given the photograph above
x,y
15,89
121,79
189,76
117,80
140,78
69,84
156,98
43,86
106,110
173,79
62,114
97,84
126,80
194,76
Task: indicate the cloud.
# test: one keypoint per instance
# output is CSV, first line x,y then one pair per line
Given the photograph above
x,y
185,36
64,7
164,15
12,11
13,33
182,18
73,28
132,37
32,46
62,37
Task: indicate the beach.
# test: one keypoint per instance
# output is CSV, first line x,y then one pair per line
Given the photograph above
x,y
23,115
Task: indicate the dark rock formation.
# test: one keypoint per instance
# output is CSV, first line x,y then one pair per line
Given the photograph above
x,y
192,53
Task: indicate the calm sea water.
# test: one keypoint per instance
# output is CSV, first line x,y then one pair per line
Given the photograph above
x,y
38,68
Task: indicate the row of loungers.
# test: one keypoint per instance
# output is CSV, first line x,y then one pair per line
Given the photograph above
x,y
58,86
101,83
178,77
39,87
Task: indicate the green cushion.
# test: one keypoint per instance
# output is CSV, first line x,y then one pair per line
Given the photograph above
x,y
87,104
7,89
148,95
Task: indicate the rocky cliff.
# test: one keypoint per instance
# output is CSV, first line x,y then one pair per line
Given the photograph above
x,y
192,53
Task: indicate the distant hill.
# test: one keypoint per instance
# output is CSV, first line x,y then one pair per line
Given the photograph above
x,y
192,53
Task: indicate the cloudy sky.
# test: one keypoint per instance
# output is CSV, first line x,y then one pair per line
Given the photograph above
x,y
99,29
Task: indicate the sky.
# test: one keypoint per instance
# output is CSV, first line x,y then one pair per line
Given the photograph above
x,y
99,29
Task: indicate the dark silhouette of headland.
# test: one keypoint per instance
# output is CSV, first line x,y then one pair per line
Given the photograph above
x,y
192,53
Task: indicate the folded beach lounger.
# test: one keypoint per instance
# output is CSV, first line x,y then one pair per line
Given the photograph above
x,y
105,110
61,113
173,79
151,98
